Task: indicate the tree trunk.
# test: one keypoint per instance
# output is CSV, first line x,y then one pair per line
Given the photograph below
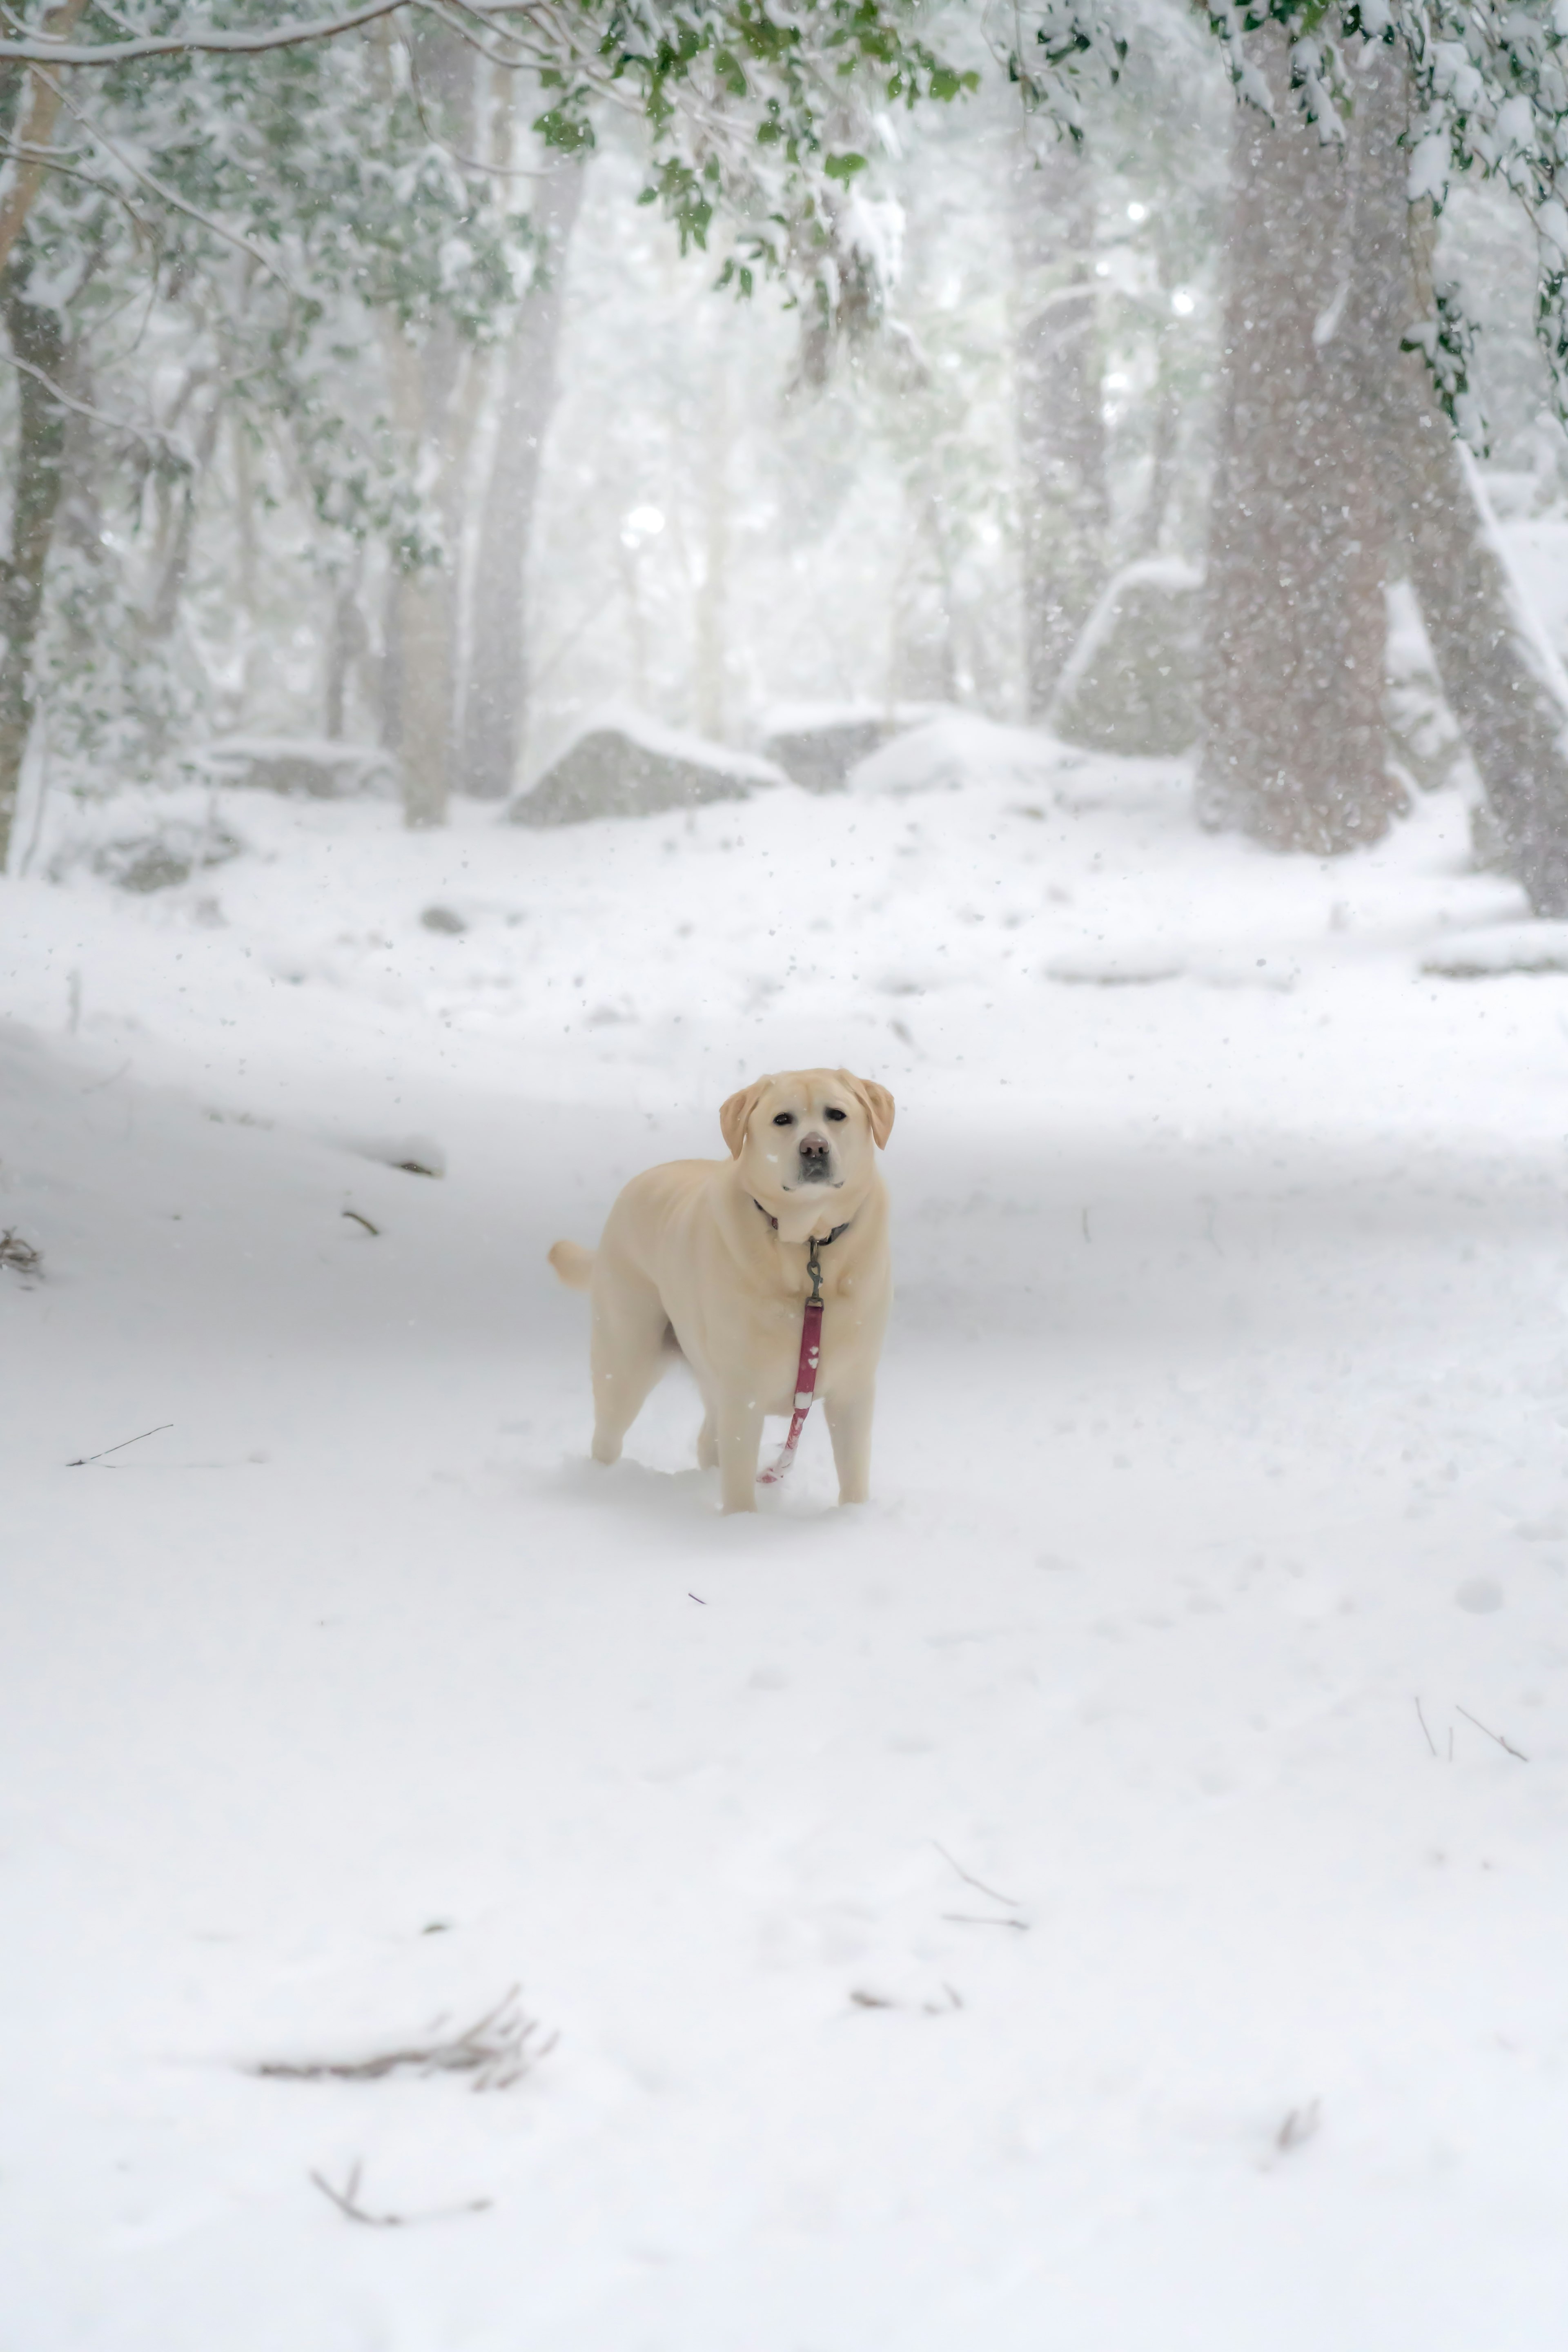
x,y
1064,505
496,698
36,335
28,163
421,620
1504,684
348,643
1294,613
710,663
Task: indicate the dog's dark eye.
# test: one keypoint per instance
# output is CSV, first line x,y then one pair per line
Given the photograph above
x,y
783,1119
838,1114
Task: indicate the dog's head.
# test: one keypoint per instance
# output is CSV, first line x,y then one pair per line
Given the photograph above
x,y
807,1140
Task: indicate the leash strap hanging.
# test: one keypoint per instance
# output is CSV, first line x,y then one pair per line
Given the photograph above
x,y
806,1371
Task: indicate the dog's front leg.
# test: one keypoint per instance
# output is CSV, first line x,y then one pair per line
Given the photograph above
x,y
740,1419
849,1426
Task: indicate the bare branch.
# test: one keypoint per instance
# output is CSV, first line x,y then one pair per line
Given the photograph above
x,y
346,2200
969,1880
495,2051
1491,1735
83,1459
151,437
166,195
40,50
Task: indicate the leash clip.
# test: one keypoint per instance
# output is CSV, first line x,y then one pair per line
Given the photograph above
x,y
813,1267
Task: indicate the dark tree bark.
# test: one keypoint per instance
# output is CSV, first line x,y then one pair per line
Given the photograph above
x,y
1503,684
37,336
1294,612
496,698
1064,505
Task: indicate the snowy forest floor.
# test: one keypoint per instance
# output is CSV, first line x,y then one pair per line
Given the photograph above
x,y
1222,1422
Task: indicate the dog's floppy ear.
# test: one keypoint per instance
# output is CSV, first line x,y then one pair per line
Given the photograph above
x,y
735,1115
879,1104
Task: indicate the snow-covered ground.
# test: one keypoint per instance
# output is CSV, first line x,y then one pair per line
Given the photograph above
x,y
1223,1422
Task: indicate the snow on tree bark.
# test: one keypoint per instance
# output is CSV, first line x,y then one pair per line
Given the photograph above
x,y
1064,505
496,699
1504,684
37,337
1293,747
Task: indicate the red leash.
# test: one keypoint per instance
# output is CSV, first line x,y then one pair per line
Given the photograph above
x,y
810,1356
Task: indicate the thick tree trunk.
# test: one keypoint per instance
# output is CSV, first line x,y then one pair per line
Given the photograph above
x,y
496,698
23,175
1294,613
37,336
1504,684
1064,505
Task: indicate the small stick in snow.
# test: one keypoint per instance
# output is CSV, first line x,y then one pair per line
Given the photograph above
x,y
18,1255
1087,1235
495,2052
1298,2126
698,1597
362,1221
1422,1721
972,1919
83,1459
346,2200
863,2000
1491,1735
969,1880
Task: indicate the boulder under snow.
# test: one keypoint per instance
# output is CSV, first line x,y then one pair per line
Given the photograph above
x,y
817,744
302,766
1131,683
631,768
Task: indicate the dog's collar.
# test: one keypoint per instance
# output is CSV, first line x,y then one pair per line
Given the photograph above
x,y
815,1245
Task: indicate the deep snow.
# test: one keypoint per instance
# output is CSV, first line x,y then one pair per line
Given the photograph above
x,y
1222,1421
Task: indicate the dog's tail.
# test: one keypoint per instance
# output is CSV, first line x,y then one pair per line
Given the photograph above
x,y
573,1264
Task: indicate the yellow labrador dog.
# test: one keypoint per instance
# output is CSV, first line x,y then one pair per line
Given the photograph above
x,y
712,1259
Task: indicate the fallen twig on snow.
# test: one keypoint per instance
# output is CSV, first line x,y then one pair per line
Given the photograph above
x,y
969,1880
83,1460
1298,2126
1491,1735
18,1255
972,1919
1422,1721
362,1221
495,2051
346,2200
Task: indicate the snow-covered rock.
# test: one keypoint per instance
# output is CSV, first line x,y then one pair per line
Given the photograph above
x,y
630,767
1131,683
818,744
316,768
957,747
1500,949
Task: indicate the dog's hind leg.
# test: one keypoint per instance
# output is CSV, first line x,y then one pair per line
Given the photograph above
x,y
708,1442
630,1354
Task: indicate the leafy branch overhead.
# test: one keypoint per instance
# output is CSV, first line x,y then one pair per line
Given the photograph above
x,y
272,128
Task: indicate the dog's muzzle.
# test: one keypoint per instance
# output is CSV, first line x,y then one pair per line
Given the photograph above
x,y
816,1159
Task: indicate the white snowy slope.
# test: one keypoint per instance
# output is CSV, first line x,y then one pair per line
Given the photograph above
x,y
1223,1421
